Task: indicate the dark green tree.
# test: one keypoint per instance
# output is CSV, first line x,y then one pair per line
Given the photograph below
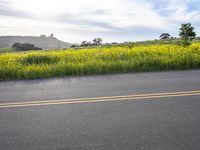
x,y
97,41
164,36
16,46
24,47
187,34
84,43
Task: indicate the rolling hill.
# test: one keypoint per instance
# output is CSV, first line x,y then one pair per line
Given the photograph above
x,y
39,41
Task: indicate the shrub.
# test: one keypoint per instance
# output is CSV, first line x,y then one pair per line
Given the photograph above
x,y
24,47
39,59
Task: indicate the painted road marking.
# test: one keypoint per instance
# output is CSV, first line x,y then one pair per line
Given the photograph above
x,y
99,99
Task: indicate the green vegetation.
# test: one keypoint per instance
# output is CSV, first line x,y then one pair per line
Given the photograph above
x,y
24,47
164,36
187,34
38,59
99,60
2,50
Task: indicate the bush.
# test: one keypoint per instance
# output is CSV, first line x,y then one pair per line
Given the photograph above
x,y
39,59
24,47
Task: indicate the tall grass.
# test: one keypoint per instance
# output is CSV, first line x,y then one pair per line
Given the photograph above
x,y
40,64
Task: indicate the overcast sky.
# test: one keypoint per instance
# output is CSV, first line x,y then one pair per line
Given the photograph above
x,y
112,20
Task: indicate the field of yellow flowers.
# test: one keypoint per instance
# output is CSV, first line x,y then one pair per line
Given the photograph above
x,y
100,60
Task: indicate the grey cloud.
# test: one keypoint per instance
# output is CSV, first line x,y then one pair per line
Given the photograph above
x,y
75,19
124,34
135,32
99,12
3,4
5,10
118,34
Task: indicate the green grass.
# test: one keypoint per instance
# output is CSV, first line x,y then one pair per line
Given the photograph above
x,y
3,50
99,60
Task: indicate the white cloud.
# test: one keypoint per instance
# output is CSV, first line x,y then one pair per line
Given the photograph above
x,y
81,19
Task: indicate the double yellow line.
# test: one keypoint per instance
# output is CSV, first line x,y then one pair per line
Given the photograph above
x,y
99,99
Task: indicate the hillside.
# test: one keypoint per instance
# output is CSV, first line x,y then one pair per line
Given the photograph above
x,y
39,41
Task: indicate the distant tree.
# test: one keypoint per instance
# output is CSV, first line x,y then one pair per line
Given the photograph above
x,y
114,43
165,36
27,46
187,34
89,43
97,41
51,35
24,47
73,45
84,43
37,48
16,46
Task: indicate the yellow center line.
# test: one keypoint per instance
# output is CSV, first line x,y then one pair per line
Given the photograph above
x,y
96,98
99,99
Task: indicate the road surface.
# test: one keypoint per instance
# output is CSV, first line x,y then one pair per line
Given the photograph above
x,y
139,111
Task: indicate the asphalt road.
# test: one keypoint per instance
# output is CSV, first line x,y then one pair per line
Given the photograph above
x,y
161,123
